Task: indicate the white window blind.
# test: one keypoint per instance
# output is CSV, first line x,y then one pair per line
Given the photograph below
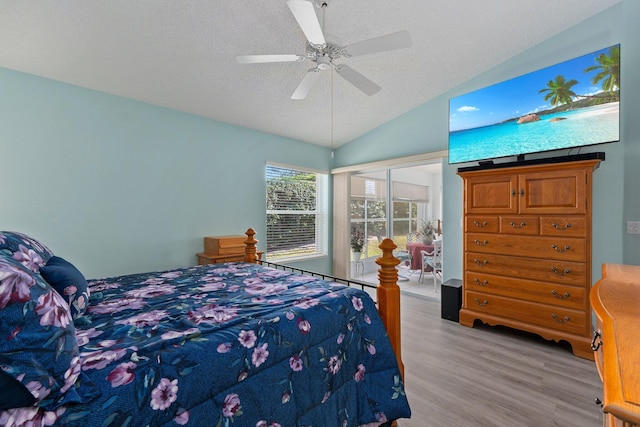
x,y
368,188
403,191
297,211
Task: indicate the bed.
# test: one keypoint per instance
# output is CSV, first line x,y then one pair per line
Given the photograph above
x,y
235,344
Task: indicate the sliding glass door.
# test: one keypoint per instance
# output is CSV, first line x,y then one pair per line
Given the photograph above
x,y
394,202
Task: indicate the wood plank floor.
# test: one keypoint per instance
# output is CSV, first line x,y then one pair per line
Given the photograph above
x,y
491,376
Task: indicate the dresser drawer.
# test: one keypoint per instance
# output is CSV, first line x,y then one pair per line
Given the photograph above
x,y
545,270
204,258
482,224
569,226
520,225
562,319
530,290
224,245
560,248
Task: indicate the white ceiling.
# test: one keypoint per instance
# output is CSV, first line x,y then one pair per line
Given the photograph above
x,y
181,54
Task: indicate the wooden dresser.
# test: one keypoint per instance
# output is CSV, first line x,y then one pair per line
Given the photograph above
x,y
616,342
527,250
219,249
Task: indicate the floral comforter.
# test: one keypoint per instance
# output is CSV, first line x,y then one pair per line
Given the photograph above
x,y
233,344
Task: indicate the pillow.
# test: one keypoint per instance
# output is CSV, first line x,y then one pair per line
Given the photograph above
x,y
24,249
65,278
13,394
38,345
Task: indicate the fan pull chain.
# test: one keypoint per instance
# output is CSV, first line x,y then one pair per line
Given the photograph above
x,y
332,107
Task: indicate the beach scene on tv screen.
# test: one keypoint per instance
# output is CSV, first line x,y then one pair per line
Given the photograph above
x,y
571,104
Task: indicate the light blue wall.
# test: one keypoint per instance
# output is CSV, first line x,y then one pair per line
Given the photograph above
x,y
616,196
630,130
118,186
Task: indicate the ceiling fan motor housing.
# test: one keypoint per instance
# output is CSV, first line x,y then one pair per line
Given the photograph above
x,y
323,61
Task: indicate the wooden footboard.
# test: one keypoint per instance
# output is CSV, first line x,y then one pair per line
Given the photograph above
x,y
388,291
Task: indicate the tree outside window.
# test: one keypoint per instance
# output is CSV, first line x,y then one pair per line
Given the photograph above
x,y
297,204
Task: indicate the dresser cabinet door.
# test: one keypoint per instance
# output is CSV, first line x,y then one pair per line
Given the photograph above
x,y
557,192
496,193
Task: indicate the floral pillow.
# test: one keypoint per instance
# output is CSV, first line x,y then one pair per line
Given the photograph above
x,y
38,346
24,249
65,278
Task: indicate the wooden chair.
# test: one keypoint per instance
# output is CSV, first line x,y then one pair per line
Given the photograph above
x,y
434,260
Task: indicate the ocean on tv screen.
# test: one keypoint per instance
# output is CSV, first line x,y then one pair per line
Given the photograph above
x,y
576,128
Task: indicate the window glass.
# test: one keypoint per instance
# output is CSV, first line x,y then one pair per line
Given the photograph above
x,y
297,211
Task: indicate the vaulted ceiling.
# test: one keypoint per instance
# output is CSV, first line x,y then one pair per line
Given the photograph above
x,y
181,54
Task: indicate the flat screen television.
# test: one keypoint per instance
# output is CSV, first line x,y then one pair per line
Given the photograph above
x,y
565,106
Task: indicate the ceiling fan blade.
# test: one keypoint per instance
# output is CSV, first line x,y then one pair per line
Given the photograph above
x,y
357,79
392,41
256,59
306,84
308,20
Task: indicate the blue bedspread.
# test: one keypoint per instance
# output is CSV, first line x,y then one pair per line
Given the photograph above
x,y
233,345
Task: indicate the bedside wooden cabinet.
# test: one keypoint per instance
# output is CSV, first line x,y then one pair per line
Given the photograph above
x,y
219,249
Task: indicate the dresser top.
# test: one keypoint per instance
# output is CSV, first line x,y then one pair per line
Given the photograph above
x,y
616,302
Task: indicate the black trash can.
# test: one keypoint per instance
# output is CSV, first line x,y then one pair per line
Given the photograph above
x,y
451,300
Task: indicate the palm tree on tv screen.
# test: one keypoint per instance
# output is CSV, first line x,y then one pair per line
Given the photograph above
x,y
608,69
559,91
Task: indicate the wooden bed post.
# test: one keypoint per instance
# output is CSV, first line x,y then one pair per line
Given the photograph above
x,y
389,297
250,247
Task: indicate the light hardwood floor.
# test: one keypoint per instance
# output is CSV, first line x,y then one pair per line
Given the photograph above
x,y
491,376
410,284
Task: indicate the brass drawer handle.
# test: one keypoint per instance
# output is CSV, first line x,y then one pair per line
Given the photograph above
x,y
564,320
479,283
558,249
479,243
481,304
481,263
477,224
560,227
563,296
561,273
514,225
596,337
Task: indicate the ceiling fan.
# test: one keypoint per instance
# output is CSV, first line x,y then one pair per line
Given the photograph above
x,y
323,52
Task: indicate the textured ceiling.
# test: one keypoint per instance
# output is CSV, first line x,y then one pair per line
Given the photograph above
x,y
181,54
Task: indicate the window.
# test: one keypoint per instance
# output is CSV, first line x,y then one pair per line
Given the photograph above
x,y
409,202
297,212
